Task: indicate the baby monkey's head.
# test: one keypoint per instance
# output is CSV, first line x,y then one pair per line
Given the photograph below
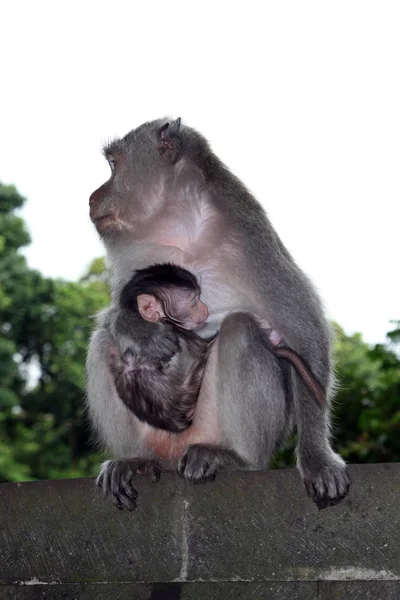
x,y
166,292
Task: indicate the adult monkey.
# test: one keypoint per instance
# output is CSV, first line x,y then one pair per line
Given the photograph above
x,y
170,199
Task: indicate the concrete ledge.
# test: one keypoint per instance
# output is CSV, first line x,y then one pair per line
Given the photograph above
x,y
247,535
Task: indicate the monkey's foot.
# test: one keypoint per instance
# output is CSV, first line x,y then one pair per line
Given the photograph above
x,y
200,463
115,479
326,484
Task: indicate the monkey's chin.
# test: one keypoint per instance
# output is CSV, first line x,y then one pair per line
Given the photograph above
x,y
110,224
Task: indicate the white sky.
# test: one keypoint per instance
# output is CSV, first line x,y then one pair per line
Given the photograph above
x,y
300,99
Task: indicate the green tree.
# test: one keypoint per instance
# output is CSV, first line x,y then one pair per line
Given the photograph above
x,y
367,408
45,327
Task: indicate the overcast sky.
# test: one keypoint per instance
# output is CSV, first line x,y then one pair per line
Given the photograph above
x,y
300,99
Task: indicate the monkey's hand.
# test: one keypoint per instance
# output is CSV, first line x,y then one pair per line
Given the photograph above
x,y
162,344
115,479
155,342
201,462
326,483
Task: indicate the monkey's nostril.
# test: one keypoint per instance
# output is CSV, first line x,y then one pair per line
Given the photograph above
x,y
91,200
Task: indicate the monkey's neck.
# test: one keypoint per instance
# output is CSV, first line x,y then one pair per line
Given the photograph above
x,y
125,259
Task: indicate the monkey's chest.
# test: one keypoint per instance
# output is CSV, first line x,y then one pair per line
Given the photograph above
x,y
219,268
225,289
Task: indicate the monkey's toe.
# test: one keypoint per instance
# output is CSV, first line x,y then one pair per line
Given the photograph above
x,y
122,501
199,464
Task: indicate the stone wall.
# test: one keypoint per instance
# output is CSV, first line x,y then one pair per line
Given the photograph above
x,y
246,536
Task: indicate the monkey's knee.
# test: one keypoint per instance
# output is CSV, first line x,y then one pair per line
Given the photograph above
x,y
237,324
239,335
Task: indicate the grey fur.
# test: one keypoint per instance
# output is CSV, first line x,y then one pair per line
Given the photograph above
x,y
172,200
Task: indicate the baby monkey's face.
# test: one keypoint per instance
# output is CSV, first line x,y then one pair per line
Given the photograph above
x,y
180,305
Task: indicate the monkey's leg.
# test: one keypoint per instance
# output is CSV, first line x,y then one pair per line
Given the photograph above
x,y
243,394
116,426
323,472
254,415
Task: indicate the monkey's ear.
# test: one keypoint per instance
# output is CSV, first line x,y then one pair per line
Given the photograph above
x,y
170,147
149,307
176,126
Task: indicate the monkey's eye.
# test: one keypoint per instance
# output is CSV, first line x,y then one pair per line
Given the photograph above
x,y
112,162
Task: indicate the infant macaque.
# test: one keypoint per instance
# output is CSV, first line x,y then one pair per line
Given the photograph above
x,y
159,380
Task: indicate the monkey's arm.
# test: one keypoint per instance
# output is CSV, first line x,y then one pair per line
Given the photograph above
x,y
155,342
115,426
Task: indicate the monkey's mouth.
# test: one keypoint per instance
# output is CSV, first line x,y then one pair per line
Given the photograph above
x,y
103,221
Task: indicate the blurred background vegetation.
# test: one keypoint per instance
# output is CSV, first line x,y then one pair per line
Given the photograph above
x,y
44,329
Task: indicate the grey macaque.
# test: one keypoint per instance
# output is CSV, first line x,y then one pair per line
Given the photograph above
x,y
170,199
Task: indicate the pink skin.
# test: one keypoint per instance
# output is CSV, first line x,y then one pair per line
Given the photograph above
x,y
198,315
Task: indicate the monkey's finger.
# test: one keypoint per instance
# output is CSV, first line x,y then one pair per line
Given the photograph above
x,y
121,501
209,471
129,491
312,490
124,489
103,481
103,477
156,473
202,479
182,465
116,501
343,486
127,502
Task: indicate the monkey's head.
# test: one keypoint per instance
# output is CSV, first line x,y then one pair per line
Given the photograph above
x,y
148,168
166,292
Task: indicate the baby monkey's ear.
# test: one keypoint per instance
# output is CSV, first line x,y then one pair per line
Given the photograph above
x,y
149,308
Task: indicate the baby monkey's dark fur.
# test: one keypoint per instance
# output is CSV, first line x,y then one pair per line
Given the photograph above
x,y
161,389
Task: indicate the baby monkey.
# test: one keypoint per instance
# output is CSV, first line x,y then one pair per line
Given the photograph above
x,y
161,387
160,381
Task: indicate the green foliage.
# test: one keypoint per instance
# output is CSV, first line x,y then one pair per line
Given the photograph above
x,y
366,423
367,410
44,330
45,326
